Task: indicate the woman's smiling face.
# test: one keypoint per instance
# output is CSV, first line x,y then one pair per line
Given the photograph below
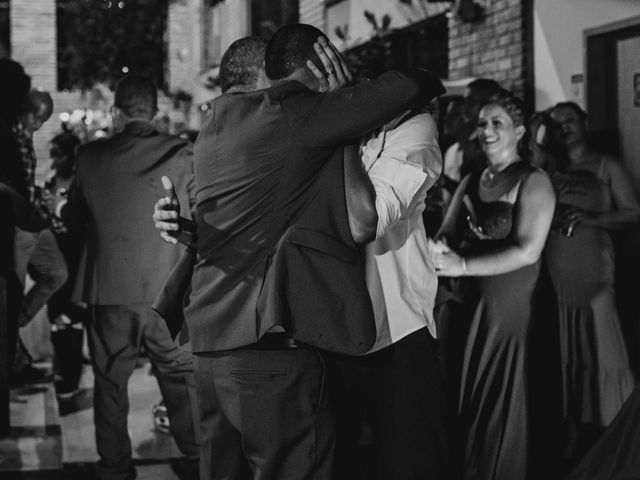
x,y
497,133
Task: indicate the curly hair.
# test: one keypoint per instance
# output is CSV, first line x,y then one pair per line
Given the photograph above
x,y
510,104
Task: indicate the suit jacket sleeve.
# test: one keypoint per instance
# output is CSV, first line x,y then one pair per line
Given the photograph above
x,y
186,155
345,115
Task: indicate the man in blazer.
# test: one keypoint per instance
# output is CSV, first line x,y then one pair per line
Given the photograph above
x,y
125,265
277,271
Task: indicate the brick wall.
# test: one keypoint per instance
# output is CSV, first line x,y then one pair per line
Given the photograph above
x,y
33,40
312,12
493,47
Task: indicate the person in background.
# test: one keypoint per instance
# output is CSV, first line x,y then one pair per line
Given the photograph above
x,y
125,267
67,318
508,207
14,88
456,297
595,198
36,253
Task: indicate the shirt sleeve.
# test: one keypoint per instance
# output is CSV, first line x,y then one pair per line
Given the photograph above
x,y
408,163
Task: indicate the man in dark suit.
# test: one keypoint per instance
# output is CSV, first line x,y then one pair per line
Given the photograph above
x,y
278,274
125,265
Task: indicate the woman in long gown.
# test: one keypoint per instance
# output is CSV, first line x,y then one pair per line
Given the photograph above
x,y
594,196
510,206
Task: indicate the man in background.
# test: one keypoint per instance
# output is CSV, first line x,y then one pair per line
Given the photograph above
x,y
36,253
126,264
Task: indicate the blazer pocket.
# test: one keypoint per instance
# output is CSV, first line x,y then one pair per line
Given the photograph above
x,y
322,242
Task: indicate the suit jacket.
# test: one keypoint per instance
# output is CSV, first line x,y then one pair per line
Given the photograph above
x,y
273,241
117,182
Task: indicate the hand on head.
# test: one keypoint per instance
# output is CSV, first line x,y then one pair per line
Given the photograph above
x,y
338,72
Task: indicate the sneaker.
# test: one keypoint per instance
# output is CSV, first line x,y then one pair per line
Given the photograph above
x,y
160,417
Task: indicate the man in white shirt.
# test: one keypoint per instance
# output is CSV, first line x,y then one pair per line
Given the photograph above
x,y
399,380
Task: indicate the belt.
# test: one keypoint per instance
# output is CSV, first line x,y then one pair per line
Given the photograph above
x,y
274,341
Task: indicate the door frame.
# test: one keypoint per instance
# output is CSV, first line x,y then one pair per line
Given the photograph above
x,y
601,79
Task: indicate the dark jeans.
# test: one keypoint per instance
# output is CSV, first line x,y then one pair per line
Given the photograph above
x,y
116,334
265,415
401,388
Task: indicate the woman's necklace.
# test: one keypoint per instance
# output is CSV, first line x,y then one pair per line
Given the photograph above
x,y
498,180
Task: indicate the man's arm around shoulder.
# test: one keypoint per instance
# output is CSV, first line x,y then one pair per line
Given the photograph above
x,y
347,114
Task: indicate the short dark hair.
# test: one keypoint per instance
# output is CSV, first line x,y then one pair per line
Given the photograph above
x,y
136,96
289,49
242,63
68,143
14,87
39,103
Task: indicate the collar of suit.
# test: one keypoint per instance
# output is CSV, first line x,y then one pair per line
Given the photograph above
x,y
140,128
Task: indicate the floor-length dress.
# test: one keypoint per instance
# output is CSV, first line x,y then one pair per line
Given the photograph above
x,y
615,455
493,409
596,377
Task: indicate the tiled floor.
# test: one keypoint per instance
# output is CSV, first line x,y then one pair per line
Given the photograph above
x,y
53,439
76,418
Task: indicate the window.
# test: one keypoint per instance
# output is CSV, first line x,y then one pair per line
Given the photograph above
x,y
5,29
101,40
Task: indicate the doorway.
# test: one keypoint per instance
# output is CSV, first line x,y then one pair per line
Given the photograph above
x,y
613,90
612,56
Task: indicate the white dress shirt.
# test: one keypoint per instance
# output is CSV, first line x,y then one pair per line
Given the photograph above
x,y
403,161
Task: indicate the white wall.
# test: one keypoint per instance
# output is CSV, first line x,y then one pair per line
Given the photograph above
x,y
558,41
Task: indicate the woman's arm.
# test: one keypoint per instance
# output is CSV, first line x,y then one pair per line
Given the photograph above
x,y
534,211
627,208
